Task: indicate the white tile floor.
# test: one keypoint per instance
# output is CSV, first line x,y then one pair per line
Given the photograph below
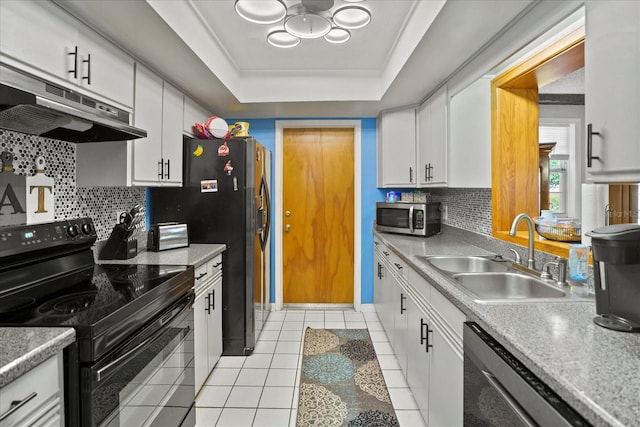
x,y
261,390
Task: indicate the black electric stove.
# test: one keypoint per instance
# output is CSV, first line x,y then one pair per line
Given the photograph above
x,y
123,315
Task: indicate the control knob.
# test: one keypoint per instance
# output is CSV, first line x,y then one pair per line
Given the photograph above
x,y
72,230
87,228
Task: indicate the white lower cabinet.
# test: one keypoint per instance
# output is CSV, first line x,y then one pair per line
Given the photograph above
x,y
425,332
207,319
36,398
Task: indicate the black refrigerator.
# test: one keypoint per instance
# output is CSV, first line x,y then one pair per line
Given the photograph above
x,y
225,199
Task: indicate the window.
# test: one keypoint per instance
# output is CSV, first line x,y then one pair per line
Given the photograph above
x,y
562,167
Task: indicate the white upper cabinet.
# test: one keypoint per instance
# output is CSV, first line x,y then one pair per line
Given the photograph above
x,y
42,39
470,136
432,140
612,90
397,149
157,159
193,113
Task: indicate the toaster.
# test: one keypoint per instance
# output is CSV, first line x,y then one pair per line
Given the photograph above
x,y
167,235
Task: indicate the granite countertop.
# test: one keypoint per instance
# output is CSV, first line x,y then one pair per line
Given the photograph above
x,y
592,368
23,349
194,254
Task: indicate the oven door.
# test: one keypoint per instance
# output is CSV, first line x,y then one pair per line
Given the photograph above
x,y
148,380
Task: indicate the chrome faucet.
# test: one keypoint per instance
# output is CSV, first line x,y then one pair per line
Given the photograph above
x,y
561,264
531,262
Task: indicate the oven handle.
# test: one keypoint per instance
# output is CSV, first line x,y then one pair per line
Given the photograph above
x,y
411,219
509,400
106,371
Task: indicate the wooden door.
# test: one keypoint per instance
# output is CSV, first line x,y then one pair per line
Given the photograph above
x,y
318,198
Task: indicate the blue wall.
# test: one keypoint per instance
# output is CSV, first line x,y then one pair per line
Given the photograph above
x,y
264,130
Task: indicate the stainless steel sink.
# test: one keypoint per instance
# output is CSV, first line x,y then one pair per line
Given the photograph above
x,y
507,286
465,264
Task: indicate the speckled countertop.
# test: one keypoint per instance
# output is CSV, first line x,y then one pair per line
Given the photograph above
x,y
22,349
595,370
194,254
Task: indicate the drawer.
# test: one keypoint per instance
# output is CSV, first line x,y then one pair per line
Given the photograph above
x,y
41,391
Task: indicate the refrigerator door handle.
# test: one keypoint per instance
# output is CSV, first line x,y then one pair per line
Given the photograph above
x,y
264,191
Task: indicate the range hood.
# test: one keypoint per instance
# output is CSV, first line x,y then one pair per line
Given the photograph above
x,y
31,105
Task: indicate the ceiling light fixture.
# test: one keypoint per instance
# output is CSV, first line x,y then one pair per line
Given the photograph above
x,y
308,19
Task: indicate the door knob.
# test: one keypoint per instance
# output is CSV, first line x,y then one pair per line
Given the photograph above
x,y
287,213
287,228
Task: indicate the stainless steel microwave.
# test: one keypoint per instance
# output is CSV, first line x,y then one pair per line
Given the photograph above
x,y
417,219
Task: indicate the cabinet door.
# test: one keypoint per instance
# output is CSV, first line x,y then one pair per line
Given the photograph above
x,y
38,36
397,149
104,69
418,356
470,136
399,343
193,113
445,381
378,273
215,325
432,140
200,320
172,123
612,89
147,162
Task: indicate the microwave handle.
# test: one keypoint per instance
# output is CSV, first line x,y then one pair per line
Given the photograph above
x,y
411,219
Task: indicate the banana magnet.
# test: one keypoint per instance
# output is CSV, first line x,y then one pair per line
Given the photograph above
x,y
198,151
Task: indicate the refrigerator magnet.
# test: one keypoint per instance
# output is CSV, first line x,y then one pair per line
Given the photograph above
x,y
228,168
223,150
209,186
198,151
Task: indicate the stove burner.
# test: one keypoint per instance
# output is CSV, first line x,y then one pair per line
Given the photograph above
x,y
70,304
10,305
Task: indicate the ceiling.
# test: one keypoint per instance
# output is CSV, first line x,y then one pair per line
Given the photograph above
x,y
224,62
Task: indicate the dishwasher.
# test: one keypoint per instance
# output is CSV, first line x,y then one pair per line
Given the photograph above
x,y
500,391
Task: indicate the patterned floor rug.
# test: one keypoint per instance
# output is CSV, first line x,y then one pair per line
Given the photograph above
x,y
341,383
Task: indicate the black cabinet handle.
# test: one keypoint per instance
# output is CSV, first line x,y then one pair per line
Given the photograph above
x,y
424,334
161,168
88,62
212,301
201,275
410,174
590,134
208,306
398,266
402,300
17,404
75,63
168,168
385,253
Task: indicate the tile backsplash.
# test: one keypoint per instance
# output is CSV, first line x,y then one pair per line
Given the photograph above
x,y
467,208
99,203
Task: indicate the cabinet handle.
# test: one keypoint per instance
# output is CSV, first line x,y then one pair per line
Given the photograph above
x,y
75,63
17,404
88,62
402,300
217,264
208,306
213,300
410,174
201,276
424,334
160,168
168,167
430,168
398,266
385,253
590,134
426,172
